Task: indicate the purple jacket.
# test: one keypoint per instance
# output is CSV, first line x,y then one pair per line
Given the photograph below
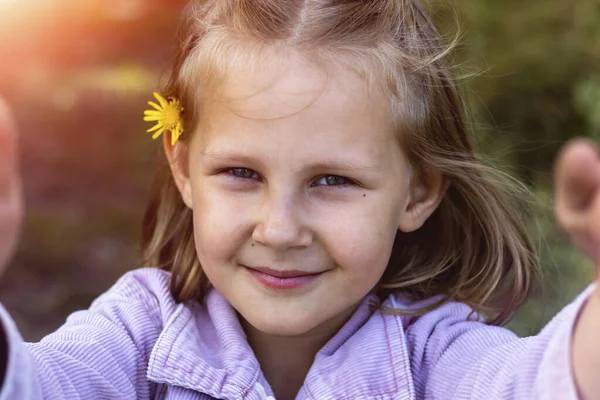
x,y
135,342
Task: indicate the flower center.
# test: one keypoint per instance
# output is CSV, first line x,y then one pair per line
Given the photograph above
x,y
171,115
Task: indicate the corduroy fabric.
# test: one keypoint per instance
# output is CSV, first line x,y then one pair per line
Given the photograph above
x,y
135,342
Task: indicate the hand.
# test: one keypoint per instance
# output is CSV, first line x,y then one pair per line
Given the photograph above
x,y
577,195
577,209
11,203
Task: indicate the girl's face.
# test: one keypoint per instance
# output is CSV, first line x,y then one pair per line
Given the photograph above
x,y
297,186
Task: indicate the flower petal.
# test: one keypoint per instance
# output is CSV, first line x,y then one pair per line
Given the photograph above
x,y
174,136
163,102
152,118
158,133
176,133
155,127
152,112
156,106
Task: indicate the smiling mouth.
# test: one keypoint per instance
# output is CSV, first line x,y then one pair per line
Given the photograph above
x,y
283,274
275,279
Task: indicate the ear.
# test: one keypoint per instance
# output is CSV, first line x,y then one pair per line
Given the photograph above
x,y
177,156
426,193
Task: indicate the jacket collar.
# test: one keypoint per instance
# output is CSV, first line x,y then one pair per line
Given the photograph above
x,y
366,359
205,349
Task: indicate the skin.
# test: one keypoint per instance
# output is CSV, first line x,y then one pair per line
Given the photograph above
x,y
285,171
284,205
11,202
577,209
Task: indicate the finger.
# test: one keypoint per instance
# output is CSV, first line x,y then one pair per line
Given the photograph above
x,y
577,176
11,206
9,177
11,215
592,239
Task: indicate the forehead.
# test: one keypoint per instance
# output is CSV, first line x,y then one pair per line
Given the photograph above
x,y
296,100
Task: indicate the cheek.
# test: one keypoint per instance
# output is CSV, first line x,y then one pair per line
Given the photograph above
x,y
362,243
368,255
220,226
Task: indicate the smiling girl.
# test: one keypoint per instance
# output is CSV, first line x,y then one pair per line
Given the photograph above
x,y
324,231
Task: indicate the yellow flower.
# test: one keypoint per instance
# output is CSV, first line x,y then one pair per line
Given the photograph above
x,y
167,115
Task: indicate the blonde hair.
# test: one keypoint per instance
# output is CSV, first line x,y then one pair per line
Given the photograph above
x,y
473,249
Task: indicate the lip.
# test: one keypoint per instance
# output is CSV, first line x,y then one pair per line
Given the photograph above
x,y
283,274
275,279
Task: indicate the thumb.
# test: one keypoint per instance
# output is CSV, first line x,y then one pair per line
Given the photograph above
x,y
11,204
577,200
9,171
577,175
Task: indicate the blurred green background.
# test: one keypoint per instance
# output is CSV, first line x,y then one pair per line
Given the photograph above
x,y
78,75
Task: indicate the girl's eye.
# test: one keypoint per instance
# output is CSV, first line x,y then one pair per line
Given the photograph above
x,y
332,180
245,173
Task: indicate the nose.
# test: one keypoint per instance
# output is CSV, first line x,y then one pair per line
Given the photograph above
x,y
281,225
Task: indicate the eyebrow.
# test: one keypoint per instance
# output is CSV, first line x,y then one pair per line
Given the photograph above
x,y
327,164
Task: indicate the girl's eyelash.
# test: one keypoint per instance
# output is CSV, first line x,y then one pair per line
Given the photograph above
x,y
329,180
242,173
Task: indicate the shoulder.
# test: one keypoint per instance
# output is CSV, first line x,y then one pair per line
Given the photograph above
x,y
451,331
445,324
141,284
141,291
448,311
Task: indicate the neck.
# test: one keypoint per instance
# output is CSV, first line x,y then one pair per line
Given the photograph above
x,y
286,360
